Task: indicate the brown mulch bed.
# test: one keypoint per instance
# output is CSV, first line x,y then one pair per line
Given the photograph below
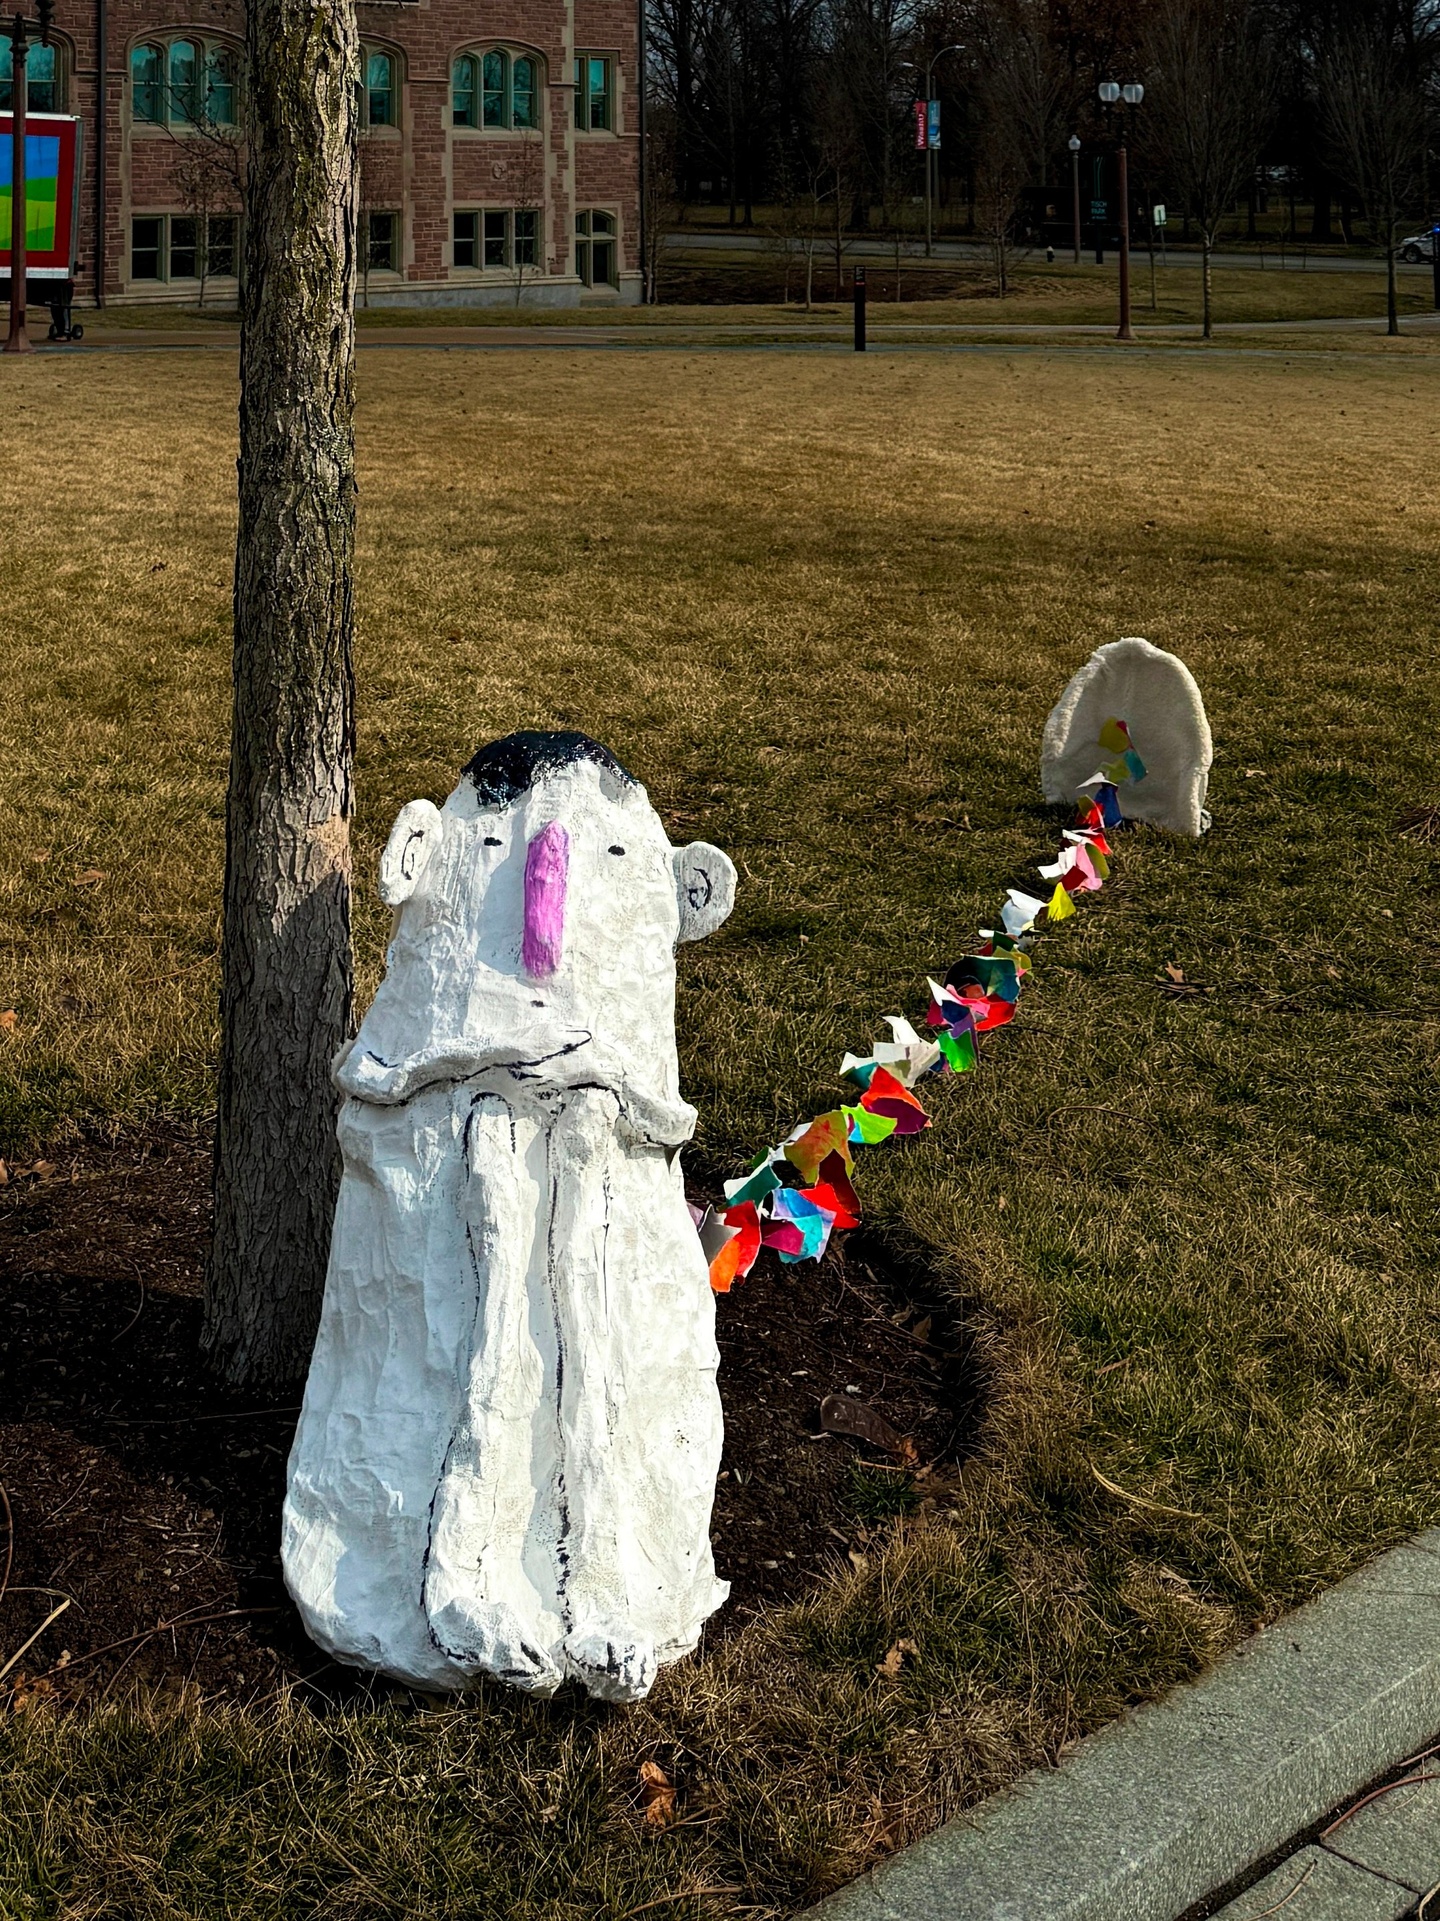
x,y
148,1498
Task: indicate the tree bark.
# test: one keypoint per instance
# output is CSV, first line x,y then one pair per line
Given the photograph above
x,y
1392,303
1205,286
286,969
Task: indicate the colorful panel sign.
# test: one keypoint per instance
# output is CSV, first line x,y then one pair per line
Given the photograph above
x,y
933,123
920,124
51,166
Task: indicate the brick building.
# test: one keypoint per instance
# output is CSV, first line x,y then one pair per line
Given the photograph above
x,y
500,143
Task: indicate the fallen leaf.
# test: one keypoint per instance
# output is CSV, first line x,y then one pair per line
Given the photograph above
x,y
889,1668
4,1175
43,855
840,1415
921,1330
1255,773
657,1791
1175,973
1002,1203
858,1561
9,1021
92,877
42,1170
1334,973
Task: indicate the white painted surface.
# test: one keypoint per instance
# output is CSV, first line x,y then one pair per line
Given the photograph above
x,y
506,1459
1155,694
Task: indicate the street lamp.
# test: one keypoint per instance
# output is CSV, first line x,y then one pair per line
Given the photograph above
x,y
18,341
932,145
1113,95
1075,186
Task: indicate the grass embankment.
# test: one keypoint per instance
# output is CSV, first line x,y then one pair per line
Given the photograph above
x,y
822,608
747,291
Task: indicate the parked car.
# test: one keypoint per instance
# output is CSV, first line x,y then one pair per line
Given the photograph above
x,y
1418,247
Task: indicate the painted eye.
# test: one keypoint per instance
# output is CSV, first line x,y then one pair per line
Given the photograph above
x,y
491,840
617,850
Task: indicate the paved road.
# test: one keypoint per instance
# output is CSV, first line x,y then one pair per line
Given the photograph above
x,y
882,253
1376,1860
773,337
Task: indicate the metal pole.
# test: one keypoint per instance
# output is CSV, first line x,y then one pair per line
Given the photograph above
x,y
859,291
646,238
102,149
1435,260
1075,182
18,341
929,160
1123,331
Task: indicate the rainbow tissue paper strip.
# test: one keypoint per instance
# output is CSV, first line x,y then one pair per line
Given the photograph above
x,y
801,1192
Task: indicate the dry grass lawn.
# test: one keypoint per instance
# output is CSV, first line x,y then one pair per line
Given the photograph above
x,y
821,606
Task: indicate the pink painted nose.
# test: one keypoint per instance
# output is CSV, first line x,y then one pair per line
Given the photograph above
x,y
547,869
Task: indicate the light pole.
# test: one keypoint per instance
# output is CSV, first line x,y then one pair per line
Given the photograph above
x,y
932,145
1075,189
18,341
1131,94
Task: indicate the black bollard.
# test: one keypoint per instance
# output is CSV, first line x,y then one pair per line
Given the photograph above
x,y
858,282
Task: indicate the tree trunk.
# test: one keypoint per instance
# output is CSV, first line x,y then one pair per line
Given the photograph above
x,y
286,969
1320,213
1392,304
1205,283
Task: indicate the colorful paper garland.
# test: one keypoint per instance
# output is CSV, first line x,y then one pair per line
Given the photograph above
x,y
800,1192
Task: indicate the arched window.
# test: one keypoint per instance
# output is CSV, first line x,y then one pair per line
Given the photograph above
x,y
464,81
219,86
184,93
522,92
379,89
42,79
495,88
147,84
496,74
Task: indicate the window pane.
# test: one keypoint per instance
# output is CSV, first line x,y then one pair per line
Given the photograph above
x,y
145,72
582,223
582,260
582,105
380,89
182,247
599,93
602,223
462,96
497,252
381,242
146,238
526,233
602,260
522,91
220,242
42,95
466,239
184,104
220,86
495,115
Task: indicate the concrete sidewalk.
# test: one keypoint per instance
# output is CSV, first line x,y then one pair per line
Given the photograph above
x,y
1183,1801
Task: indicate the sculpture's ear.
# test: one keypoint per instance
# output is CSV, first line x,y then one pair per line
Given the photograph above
x,y
705,885
413,839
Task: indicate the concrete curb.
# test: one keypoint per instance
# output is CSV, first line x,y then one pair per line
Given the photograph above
x,y
1180,1798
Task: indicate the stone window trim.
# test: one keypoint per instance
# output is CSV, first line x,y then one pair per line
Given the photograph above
x,y
164,111
52,89
494,235
584,96
473,93
372,86
178,233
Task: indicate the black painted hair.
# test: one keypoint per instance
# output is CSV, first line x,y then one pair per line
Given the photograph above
x,y
506,768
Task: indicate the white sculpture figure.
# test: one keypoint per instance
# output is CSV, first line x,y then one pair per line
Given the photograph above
x,y
507,1454
1156,696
